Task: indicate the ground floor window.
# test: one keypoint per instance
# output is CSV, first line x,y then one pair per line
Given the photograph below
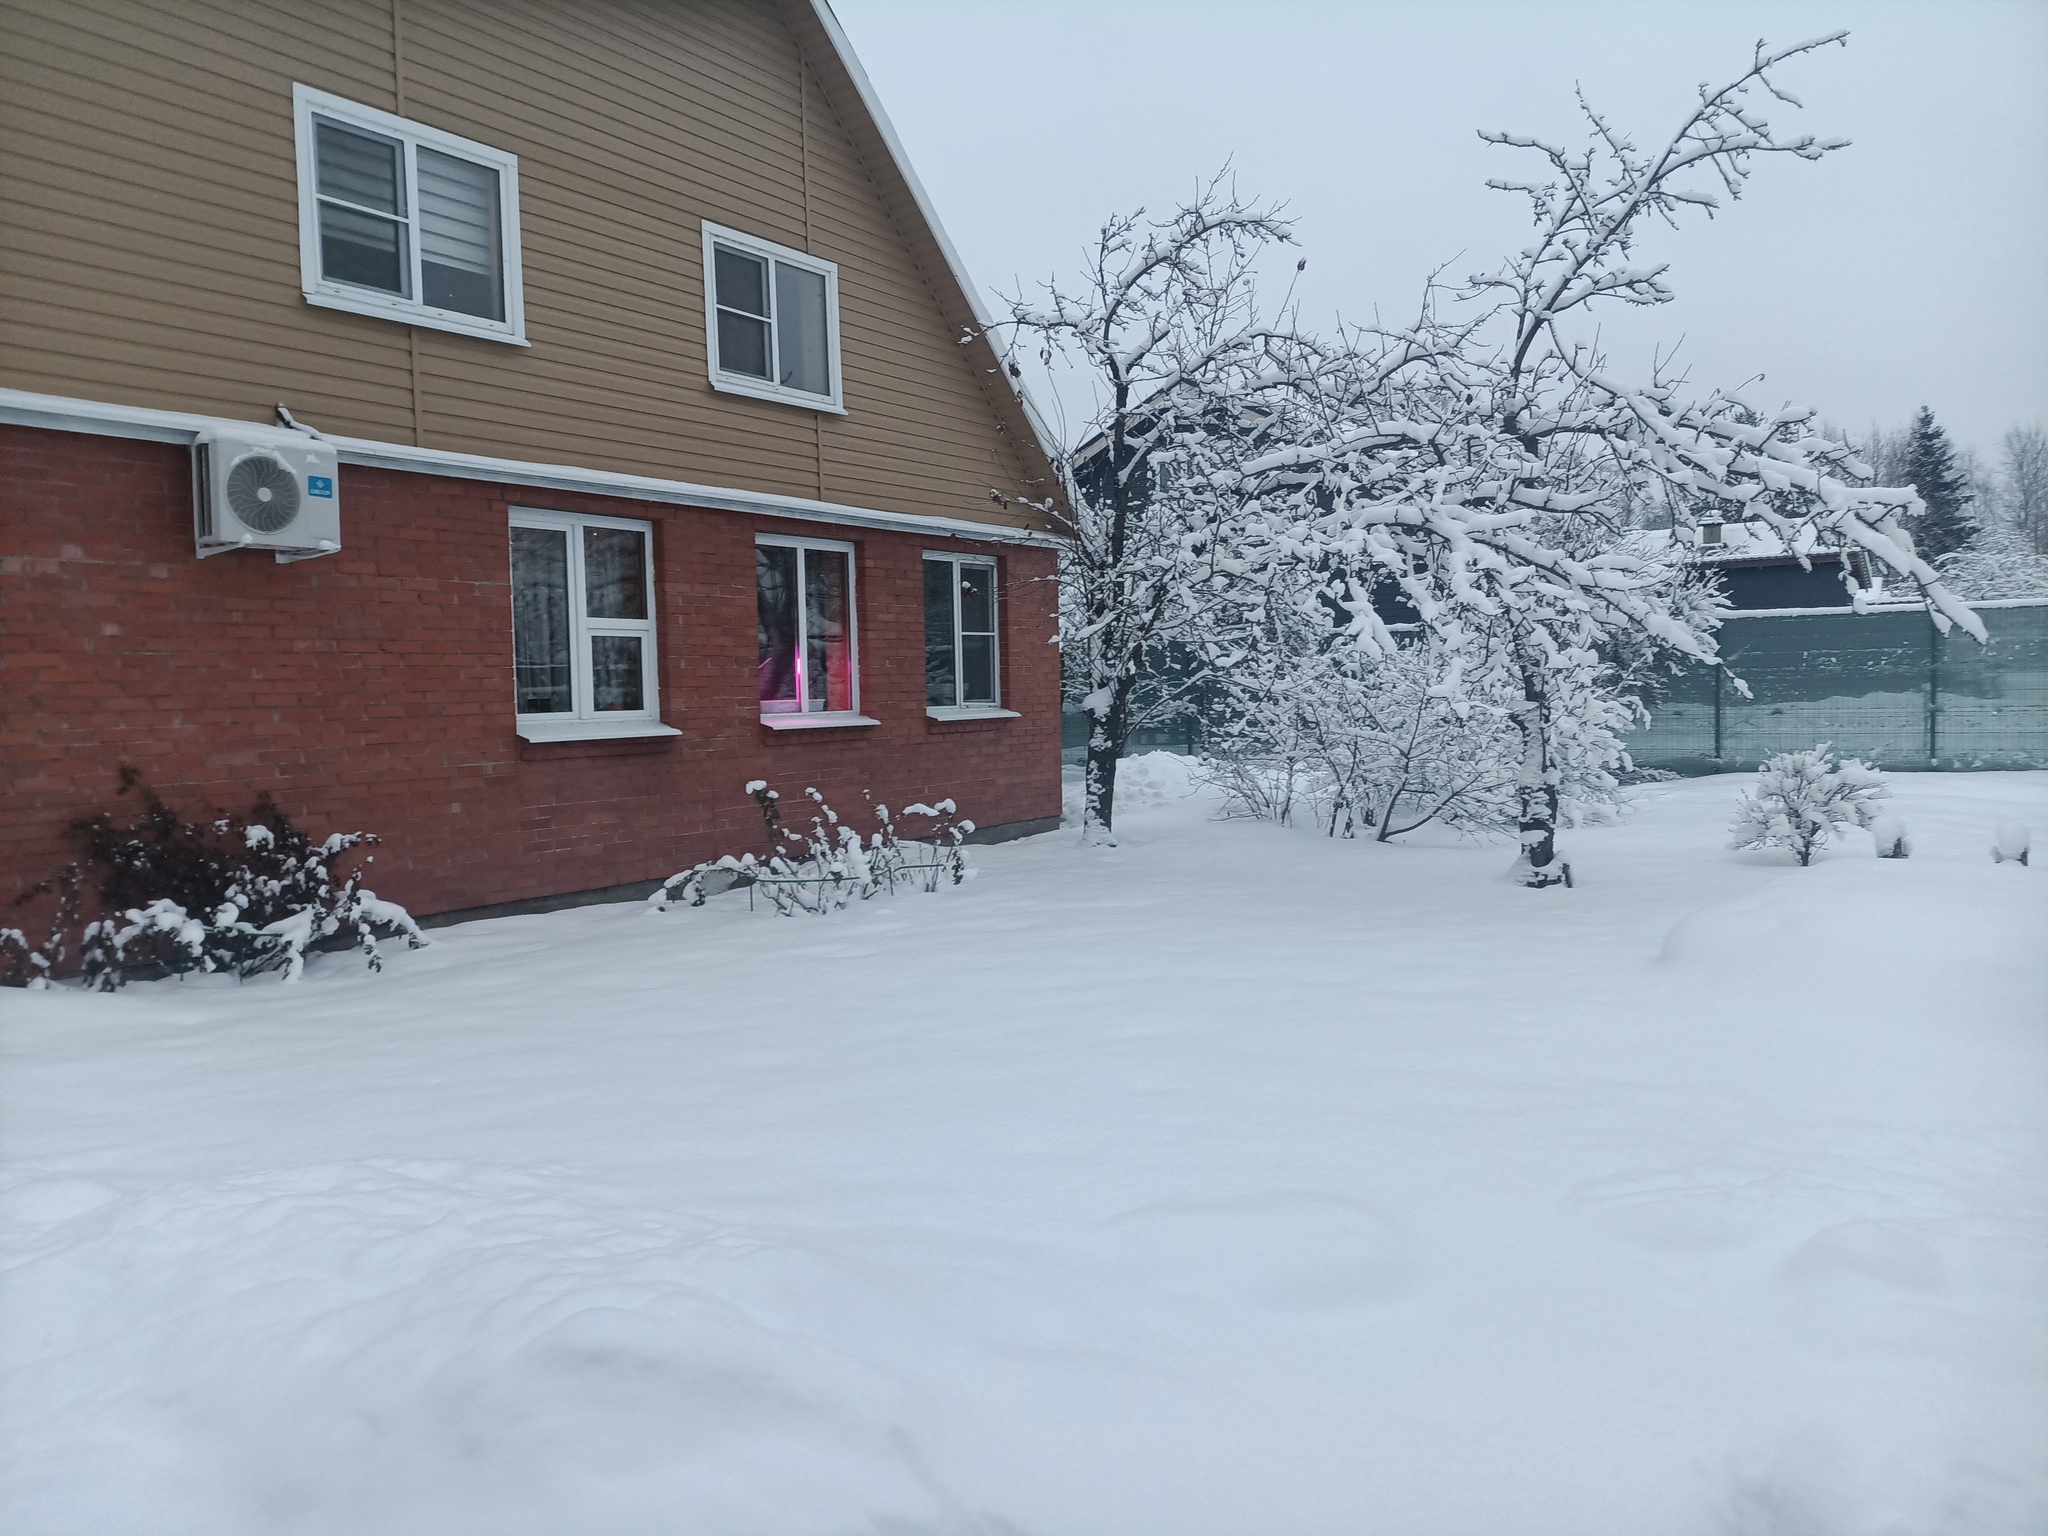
x,y
582,617
808,663
960,669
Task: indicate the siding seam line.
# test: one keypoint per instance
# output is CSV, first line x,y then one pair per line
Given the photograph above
x,y
412,332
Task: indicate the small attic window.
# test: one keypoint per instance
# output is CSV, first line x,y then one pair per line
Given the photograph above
x,y
771,317
1710,533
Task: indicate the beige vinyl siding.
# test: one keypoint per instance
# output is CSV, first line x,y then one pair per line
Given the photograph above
x,y
150,250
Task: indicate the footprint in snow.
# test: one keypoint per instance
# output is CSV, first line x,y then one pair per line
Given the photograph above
x,y
1289,1251
1868,1251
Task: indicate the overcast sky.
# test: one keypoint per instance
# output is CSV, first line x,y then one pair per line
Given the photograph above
x,y
1910,268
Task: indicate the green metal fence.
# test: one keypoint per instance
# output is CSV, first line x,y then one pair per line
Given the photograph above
x,y
1883,686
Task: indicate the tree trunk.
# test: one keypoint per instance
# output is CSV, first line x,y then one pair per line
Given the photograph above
x,y
1386,831
1108,733
1536,795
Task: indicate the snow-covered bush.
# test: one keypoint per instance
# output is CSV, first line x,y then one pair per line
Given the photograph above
x,y
246,894
1888,836
2010,840
1313,730
1801,797
1315,736
827,865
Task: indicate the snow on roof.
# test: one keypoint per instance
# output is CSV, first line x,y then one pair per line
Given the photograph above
x,y
1732,542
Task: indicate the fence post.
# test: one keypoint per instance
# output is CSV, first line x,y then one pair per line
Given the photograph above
x,y
1933,692
1717,713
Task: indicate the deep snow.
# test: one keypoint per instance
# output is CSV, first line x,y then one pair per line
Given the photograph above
x,y
1231,1180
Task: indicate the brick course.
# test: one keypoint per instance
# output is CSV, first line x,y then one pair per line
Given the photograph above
x,y
372,689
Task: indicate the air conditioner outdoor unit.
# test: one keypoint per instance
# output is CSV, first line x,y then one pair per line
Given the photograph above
x,y
259,488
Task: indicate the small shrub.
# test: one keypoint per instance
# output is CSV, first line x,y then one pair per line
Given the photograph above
x,y
2010,840
1801,797
1888,836
828,866
246,894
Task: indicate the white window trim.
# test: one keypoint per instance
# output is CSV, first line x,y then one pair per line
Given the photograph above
x,y
993,710
583,723
747,384
306,102
793,720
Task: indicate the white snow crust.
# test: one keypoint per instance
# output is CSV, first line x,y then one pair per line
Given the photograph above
x,y
1226,1180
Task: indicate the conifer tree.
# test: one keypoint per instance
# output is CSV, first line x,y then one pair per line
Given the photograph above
x,y
1931,469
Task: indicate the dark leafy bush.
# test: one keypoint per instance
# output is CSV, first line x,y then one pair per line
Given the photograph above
x,y
246,894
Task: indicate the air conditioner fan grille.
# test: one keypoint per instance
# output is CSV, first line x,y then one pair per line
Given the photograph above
x,y
262,493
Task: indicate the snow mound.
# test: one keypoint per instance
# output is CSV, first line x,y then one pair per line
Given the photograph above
x,y
1154,778
1143,783
1886,1253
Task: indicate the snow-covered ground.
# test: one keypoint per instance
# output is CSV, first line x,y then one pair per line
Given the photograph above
x,y
1228,1181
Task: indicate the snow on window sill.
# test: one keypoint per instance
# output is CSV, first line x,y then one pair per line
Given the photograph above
x,y
970,712
816,722
592,730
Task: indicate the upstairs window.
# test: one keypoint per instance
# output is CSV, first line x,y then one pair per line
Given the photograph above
x,y
960,664
808,667
772,316
405,222
582,624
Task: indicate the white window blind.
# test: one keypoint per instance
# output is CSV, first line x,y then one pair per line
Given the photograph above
x,y
406,222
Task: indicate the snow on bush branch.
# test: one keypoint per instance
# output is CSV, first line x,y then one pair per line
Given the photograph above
x,y
241,894
826,866
1801,797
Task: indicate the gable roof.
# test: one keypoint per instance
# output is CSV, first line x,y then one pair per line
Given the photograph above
x,y
852,96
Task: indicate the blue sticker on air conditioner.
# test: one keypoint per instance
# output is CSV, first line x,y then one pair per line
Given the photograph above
x,y
319,485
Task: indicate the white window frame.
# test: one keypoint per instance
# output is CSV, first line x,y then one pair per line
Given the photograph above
x,y
745,383
583,723
308,103
798,720
957,711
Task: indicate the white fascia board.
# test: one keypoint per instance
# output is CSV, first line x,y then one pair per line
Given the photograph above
x,y
62,414
887,130
1873,609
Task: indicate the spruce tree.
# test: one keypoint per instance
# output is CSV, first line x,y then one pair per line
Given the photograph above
x,y
1946,526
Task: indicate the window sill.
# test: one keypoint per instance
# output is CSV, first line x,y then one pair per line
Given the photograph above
x,y
593,730
730,384
327,297
817,722
970,712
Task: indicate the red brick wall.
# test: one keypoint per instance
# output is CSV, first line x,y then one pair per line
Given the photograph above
x,y
372,689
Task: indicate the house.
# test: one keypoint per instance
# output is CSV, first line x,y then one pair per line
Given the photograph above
x,y
1758,573
508,429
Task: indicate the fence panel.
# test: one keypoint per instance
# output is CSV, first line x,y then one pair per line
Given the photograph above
x,y
1884,686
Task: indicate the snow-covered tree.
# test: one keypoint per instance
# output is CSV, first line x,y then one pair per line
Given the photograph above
x,y
1945,523
1801,797
2006,552
2024,483
1480,461
1999,561
1164,325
